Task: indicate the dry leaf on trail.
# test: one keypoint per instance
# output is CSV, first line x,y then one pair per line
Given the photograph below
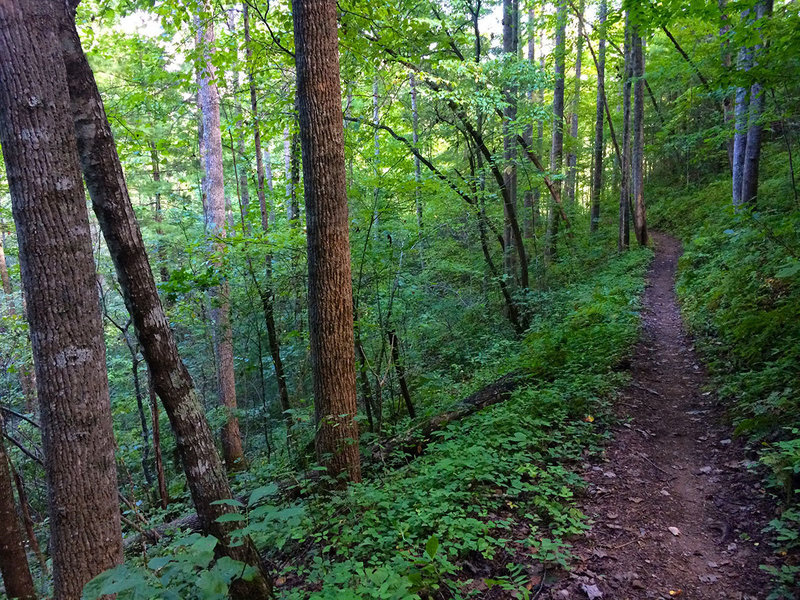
x,y
592,591
674,531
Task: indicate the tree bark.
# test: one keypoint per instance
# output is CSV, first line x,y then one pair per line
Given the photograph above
x,y
510,46
266,292
216,218
557,145
529,217
415,138
623,240
394,342
752,153
330,294
572,157
637,166
13,557
58,278
171,380
597,167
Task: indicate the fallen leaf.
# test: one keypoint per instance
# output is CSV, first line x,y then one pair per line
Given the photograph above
x,y
635,500
675,592
589,419
674,531
592,591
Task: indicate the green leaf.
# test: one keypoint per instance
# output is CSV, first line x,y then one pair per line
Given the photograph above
x,y
432,546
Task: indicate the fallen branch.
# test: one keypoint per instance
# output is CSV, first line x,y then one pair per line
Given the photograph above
x,y
413,441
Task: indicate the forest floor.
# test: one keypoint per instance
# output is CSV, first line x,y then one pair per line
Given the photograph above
x,y
674,510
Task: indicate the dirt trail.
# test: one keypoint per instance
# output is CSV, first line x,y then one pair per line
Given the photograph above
x,y
672,465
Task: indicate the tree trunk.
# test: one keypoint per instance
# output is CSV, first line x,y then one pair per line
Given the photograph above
x,y
215,216
330,295
415,138
727,105
394,342
637,166
58,278
557,146
171,380
597,166
572,157
623,240
510,45
752,153
528,218
163,494
13,557
266,293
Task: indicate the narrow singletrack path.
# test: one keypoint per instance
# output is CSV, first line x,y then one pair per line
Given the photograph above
x,y
675,512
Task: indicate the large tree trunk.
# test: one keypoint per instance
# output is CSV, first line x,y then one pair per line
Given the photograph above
x,y
171,380
330,294
215,216
266,292
58,278
572,157
637,166
623,240
597,166
13,558
557,146
510,43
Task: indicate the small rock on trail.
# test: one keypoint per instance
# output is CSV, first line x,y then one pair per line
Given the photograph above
x,y
688,515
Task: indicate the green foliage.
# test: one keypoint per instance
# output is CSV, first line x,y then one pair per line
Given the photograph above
x,y
188,571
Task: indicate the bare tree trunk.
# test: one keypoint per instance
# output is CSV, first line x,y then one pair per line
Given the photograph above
x,y
170,378
752,154
163,495
727,105
330,294
266,293
208,99
623,240
394,342
637,167
744,63
415,138
13,558
58,277
510,48
597,167
557,146
376,121
528,218
572,157
158,216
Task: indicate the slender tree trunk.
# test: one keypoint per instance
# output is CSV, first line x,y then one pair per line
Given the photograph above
x,y
163,495
24,506
623,240
137,388
158,216
266,291
752,153
394,342
415,138
637,166
572,157
727,104
171,380
557,146
740,113
528,218
597,167
330,294
58,278
216,218
537,192
376,121
13,557
510,48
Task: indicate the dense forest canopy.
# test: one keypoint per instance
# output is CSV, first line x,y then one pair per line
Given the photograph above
x,y
322,299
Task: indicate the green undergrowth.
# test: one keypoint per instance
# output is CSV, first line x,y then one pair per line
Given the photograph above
x,y
739,286
406,532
